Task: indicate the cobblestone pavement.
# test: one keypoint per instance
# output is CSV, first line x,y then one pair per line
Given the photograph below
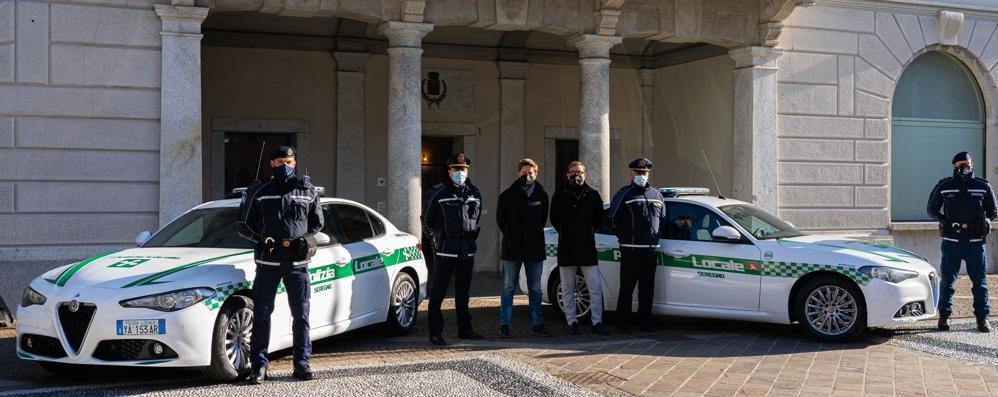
x,y
686,357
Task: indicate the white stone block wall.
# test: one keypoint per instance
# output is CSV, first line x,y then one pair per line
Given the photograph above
x,y
836,77
79,126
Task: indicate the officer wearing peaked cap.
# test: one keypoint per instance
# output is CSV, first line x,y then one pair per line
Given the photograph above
x,y
281,216
451,215
964,206
636,212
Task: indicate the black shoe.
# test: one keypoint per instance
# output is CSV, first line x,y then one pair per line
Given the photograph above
x,y
983,325
541,330
257,376
504,332
438,340
599,328
470,335
624,329
943,323
303,373
646,328
574,329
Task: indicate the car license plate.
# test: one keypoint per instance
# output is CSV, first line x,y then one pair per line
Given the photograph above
x,y
141,327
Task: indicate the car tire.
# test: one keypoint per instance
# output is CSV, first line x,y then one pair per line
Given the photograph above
x,y
831,309
402,305
230,343
582,312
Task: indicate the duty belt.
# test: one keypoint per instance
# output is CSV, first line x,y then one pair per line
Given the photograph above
x,y
272,244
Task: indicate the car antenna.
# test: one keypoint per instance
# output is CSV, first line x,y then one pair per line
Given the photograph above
x,y
716,186
259,163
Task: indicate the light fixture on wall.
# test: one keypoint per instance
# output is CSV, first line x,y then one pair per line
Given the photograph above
x,y
426,158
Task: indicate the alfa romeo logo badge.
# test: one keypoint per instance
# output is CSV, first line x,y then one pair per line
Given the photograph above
x,y
74,306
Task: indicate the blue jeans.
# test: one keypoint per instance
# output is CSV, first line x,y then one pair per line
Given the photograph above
x,y
510,276
974,255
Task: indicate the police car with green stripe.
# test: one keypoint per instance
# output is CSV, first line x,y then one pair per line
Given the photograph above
x,y
727,259
183,297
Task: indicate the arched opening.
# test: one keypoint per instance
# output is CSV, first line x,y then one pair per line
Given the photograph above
x,y
938,110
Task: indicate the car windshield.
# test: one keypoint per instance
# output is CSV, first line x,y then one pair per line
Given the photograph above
x,y
206,228
761,224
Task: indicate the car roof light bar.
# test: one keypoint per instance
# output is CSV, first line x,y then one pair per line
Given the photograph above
x,y
684,191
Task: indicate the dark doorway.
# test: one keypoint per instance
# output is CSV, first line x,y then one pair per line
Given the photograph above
x,y
434,160
242,155
565,152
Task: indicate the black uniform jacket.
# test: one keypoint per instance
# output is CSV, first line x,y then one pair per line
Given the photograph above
x,y
282,212
635,213
968,203
521,220
577,213
452,214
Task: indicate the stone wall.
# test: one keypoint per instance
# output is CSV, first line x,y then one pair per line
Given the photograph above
x,y
837,75
79,131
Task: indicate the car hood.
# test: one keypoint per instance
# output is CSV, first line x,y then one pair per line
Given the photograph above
x,y
138,267
847,248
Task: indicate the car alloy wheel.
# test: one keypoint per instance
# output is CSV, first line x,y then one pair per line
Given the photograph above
x,y
581,297
831,310
238,332
404,301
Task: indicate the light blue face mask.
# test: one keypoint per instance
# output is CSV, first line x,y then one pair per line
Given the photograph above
x,y
641,180
459,177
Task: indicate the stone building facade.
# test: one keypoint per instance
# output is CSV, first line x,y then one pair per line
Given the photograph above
x,y
120,114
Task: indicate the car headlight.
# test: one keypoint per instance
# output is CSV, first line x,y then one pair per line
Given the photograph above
x,y
32,297
170,301
886,273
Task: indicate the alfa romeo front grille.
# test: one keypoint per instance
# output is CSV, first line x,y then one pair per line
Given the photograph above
x,y
76,323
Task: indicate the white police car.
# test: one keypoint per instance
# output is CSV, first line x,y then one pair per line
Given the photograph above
x,y
727,259
182,299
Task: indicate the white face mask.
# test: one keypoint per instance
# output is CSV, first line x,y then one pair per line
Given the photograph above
x,y
459,177
641,180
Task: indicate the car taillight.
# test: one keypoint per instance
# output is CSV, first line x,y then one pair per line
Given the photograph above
x,y
419,246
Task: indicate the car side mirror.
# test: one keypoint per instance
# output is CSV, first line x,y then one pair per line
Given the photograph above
x,y
726,233
142,238
322,239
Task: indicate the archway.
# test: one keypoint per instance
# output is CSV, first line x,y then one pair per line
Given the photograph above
x,y
938,110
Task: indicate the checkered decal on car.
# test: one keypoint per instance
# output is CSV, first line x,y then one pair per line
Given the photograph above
x,y
223,292
796,270
551,250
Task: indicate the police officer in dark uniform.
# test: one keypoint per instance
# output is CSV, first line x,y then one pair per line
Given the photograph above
x,y
452,213
281,216
635,213
964,206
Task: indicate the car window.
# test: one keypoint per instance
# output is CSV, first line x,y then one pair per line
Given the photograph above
x,y
330,226
690,222
206,228
354,223
761,224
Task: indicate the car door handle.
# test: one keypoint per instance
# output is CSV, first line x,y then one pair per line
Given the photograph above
x,y
602,247
387,251
342,262
676,253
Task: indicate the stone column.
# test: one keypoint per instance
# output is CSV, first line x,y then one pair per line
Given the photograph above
x,y
350,132
404,122
755,126
594,112
180,165
512,76
647,113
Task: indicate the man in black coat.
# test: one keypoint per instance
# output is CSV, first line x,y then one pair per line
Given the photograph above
x,y
522,213
636,213
964,206
576,213
451,216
